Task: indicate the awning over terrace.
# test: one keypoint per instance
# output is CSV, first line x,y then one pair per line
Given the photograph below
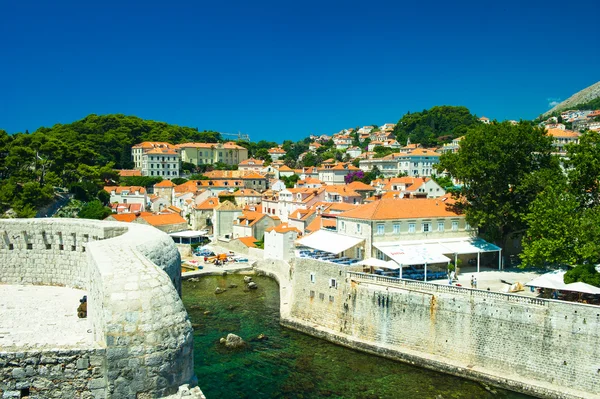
x,y
419,252
329,241
408,255
188,236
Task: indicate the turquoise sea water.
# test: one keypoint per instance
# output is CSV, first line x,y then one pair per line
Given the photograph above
x,y
289,364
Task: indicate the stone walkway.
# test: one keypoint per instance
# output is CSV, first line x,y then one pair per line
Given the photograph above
x,y
492,279
42,317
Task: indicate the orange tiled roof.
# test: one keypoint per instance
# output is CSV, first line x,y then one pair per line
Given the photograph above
x,y
209,203
165,184
242,192
276,151
120,189
129,172
563,133
385,209
251,217
253,175
282,228
229,145
123,217
163,219
250,242
424,151
342,190
359,186
252,162
319,222
220,183
146,145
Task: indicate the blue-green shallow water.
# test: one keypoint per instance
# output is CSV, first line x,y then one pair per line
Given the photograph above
x,y
290,364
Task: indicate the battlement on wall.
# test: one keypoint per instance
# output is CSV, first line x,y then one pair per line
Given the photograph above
x,y
131,276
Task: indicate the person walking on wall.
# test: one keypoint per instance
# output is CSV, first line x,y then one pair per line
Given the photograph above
x,y
472,281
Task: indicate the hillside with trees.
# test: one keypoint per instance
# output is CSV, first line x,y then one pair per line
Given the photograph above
x,y
79,156
435,126
588,98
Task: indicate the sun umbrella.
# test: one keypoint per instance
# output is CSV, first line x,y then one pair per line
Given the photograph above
x,y
583,288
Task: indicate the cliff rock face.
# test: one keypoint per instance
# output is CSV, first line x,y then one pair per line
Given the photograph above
x,y
583,96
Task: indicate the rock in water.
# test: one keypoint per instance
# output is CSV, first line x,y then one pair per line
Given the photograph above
x,y
261,337
222,340
232,285
252,285
234,341
219,290
247,279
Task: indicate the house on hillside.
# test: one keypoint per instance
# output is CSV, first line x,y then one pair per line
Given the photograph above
x,y
276,153
210,153
167,222
128,195
279,242
243,196
202,214
223,218
251,165
253,224
166,190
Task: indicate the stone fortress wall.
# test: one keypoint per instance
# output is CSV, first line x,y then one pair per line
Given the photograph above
x,y
142,336
540,347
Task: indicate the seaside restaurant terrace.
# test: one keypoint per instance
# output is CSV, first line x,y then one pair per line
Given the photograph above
x,y
329,246
429,259
417,260
190,237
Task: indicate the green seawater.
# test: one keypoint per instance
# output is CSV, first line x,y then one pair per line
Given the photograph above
x,y
290,364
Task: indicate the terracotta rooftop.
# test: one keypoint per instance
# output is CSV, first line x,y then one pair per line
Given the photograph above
x,y
209,203
283,228
229,145
129,172
250,242
123,217
563,133
163,219
386,209
165,184
252,162
119,189
146,145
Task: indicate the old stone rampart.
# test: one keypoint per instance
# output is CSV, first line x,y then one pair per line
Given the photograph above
x,y
540,347
142,336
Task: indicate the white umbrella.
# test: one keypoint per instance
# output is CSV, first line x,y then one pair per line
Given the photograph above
x,y
553,280
390,264
373,262
584,288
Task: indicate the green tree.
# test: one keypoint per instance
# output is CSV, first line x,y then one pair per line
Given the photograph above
x,y
583,168
553,225
178,180
440,121
585,273
94,210
496,163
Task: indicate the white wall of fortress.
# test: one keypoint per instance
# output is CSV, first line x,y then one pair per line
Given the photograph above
x,y
541,347
143,338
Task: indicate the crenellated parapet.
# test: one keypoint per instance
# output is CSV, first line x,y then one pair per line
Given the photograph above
x,y
143,344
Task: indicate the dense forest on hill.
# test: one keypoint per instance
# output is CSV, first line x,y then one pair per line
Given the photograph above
x,y
78,156
435,126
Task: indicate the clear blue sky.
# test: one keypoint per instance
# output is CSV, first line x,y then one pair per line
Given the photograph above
x,y
285,69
